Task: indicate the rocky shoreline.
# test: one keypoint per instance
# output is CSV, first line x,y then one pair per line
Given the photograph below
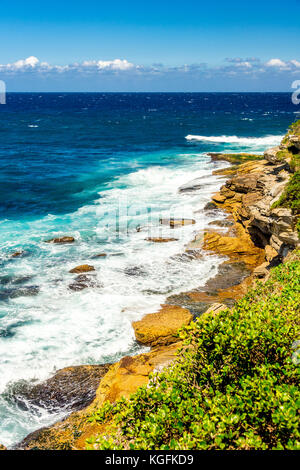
x,y
253,237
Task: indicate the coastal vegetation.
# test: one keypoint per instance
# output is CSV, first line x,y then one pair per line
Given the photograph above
x,y
233,386
235,158
290,197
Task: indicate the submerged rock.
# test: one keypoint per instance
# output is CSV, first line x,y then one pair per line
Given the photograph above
x,y
83,281
15,292
193,185
71,388
161,327
83,268
17,254
135,271
100,255
61,240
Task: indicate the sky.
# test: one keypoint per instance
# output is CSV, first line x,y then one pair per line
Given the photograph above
x,y
158,45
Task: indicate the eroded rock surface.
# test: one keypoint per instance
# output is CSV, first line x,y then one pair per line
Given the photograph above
x,y
161,327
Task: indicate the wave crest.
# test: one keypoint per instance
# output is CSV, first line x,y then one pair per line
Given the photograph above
x,y
233,139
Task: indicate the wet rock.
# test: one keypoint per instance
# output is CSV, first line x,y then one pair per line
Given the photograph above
x,y
17,254
160,239
61,240
210,206
135,271
100,255
11,279
222,223
193,185
176,222
187,256
71,388
161,327
13,293
83,281
229,284
83,268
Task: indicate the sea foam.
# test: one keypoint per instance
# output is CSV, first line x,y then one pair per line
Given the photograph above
x,y
233,139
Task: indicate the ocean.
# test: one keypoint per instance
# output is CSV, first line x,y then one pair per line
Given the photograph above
x,y
104,168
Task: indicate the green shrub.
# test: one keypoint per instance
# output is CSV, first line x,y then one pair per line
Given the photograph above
x,y
291,195
234,387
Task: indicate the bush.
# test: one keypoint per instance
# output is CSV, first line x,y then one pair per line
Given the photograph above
x,y
234,385
291,195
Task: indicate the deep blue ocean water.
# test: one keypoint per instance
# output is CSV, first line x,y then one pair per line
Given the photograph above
x,y
96,166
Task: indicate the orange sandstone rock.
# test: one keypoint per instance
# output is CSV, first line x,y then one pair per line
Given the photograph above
x,y
83,268
161,327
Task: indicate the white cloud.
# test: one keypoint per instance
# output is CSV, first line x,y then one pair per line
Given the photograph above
x,y
276,63
30,62
116,64
296,63
244,64
242,67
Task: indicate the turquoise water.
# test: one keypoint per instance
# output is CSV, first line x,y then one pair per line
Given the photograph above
x,y
96,167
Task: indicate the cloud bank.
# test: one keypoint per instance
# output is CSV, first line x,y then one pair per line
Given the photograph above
x,y
249,72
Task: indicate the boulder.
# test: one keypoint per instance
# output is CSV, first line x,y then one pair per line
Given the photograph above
x,y
83,268
243,184
161,327
61,240
218,198
270,252
271,155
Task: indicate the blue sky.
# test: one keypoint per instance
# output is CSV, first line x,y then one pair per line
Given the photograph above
x,y
149,46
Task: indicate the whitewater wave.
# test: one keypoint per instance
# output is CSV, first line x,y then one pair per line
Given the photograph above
x,y
233,139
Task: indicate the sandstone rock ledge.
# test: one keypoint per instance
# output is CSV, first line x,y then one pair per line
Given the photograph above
x,y
161,328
